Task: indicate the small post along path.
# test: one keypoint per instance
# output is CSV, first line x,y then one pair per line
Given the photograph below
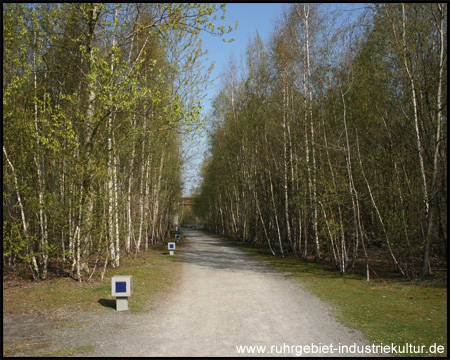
x,y
227,300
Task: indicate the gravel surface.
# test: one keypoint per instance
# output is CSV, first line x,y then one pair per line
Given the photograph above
x,y
224,299
228,299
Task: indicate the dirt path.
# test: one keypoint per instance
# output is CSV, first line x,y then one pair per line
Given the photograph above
x,y
227,299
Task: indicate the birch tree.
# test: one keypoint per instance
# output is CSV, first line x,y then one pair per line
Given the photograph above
x,y
96,82
295,146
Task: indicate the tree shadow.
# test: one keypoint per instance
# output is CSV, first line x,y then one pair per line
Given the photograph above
x,y
108,303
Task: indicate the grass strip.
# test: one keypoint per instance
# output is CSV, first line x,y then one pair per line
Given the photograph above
x,y
153,272
386,311
71,351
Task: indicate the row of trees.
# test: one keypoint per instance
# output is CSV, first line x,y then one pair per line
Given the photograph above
x,y
332,139
95,99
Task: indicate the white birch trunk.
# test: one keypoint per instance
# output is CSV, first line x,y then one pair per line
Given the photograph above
x,y
146,200
111,161
116,211
112,250
433,201
336,253
285,168
38,158
33,262
351,184
379,216
251,184
130,232
157,191
141,204
313,156
416,115
144,170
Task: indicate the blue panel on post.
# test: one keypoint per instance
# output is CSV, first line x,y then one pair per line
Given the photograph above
x,y
121,287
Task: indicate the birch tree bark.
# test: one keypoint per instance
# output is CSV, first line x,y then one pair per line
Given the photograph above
x,y
432,206
111,164
39,161
32,261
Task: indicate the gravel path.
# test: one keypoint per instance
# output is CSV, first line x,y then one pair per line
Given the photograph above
x,y
227,299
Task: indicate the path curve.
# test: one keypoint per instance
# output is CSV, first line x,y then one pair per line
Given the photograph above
x,y
227,299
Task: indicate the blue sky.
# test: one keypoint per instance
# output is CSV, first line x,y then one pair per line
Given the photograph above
x,y
252,17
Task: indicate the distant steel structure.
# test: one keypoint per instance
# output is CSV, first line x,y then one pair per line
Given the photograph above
x,y
186,201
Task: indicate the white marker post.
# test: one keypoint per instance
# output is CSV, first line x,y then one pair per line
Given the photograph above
x,y
121,288
171,246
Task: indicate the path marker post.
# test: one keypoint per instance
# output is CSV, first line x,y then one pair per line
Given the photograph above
x,y
121,288
171,247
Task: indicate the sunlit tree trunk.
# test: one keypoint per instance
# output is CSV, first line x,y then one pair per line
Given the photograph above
x,y
351,184
285,164
338,251
39,160
388,241
32,261
112,185
432,207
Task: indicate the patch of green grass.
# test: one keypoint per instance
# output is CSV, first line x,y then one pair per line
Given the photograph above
x,y
153,272
119,326
23,348
31,348
70,351
384,310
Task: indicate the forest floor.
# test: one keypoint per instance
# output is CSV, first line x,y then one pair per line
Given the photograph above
x,y
222,302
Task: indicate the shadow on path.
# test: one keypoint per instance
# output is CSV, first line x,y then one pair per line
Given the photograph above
x,y
215,254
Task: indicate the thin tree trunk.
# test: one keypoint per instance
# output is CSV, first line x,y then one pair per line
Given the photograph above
x,y
116,207
291,161
352,188
33,262
144,170
432,207
340,260
285,168
404,216
112,206
111,239
251,184
157,192
402,44
313,146
397,265
38,158
130,232
333,245
77,244
142,195
361,231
